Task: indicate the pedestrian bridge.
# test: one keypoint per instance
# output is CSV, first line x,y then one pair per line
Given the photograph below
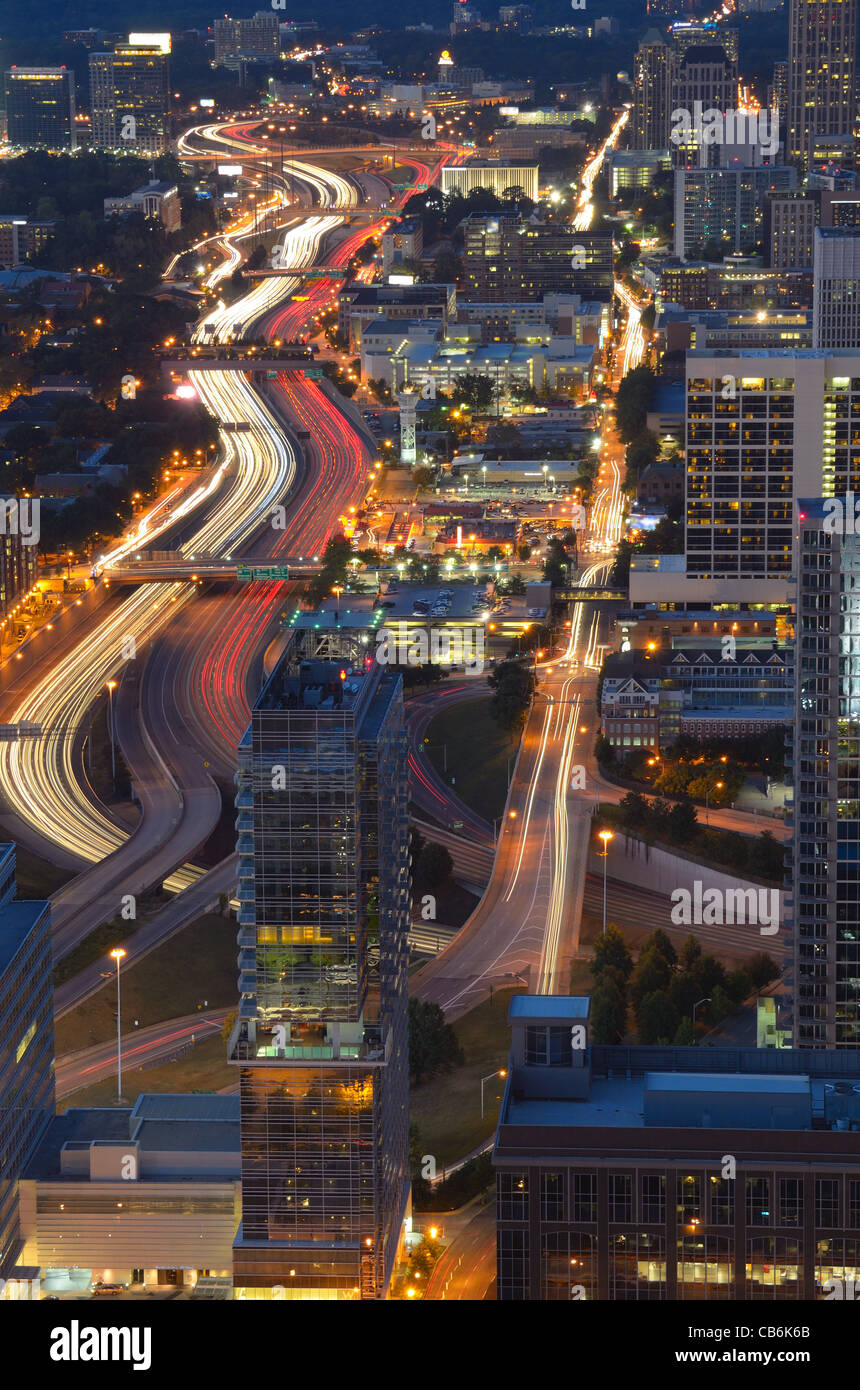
x,y
149,567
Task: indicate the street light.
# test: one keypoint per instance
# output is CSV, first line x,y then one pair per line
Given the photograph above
x,y
605,836
484,1080
706,1000
111,687
117,954
715,787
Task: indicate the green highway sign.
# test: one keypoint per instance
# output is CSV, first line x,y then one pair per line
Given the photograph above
x,y
244,573
315,373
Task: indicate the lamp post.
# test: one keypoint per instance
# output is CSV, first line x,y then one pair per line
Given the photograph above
x,y
117,954
715,787
605,836
706,1000
484,1081
111,687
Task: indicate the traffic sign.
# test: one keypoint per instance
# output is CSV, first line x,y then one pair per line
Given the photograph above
x,y
246,573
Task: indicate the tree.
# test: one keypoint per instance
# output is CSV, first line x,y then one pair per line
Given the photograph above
x,y
738,985
476,390
433,1045
512,684
608,1012
635,393
690,953
651,973
603,750
434,865
761,969
658,941
657,1019
685,1034
612,954
683,822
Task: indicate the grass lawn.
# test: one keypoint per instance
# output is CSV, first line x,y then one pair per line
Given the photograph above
x,y
197,964
35,877
478,753
203,1069
447,1110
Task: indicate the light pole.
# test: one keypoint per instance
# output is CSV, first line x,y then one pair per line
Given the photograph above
x,y
605,836
714,788
117,954
484,1080
111,687
706,1000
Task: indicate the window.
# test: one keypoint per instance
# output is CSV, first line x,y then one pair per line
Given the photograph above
x,y
620,1197
705,1267
773,1267
758,1202
513,1196
569,1266
513,1265
790,1202
548,1047
552,1196
689,1199
637,1267
584,1197
827,1201
722,1201
653,1199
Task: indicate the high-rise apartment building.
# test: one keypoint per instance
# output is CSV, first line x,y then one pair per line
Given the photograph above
x,y
130,95
821,74
508,257
255,37
321,1037
26,1046
790,219
823,884
692,34
762,428
652,99
40,108
724,208
836,288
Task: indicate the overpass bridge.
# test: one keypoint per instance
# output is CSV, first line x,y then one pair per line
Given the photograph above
x,y
156,566
578,592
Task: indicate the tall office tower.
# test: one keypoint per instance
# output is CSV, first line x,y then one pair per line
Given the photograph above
x,y
704,74
691,34
821,74
508,257
790,219
321,1036
778,91
823,882
724,208
836,288
26,1046
130,95
40,108
652,98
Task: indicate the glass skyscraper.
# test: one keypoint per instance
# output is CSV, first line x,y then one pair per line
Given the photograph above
x,y
824,877
321,1036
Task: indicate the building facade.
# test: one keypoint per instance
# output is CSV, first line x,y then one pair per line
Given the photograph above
x,y
321,1037
652,93
612,1175
130,96
821,75
26,1047
836,293
724,207
40,108
822,881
